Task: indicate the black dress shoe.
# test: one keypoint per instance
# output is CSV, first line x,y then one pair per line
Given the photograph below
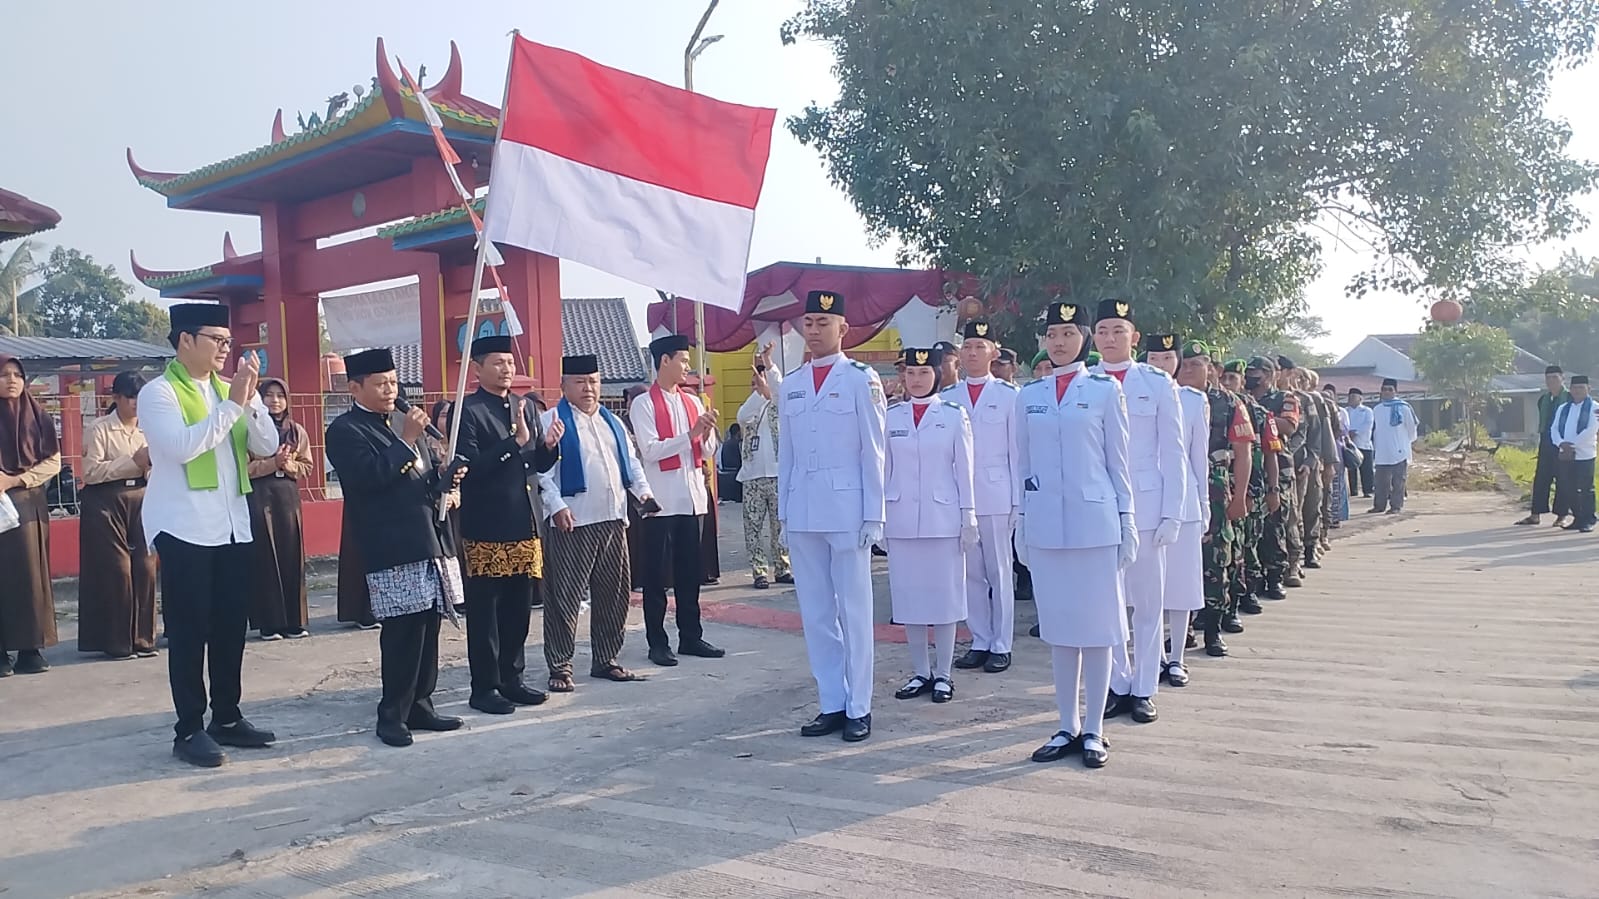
x,y
663,656
5,665
700,649
761,583
522,694
1034,631
916,686
824,724
491,704
200,750
857,729
1117,704
242,734
943,689
974,658
30,661
1054,753
785,579
1585,529
1231,624
393,733
1249,604
997,662
710,582
1095,758
434,722
1143,710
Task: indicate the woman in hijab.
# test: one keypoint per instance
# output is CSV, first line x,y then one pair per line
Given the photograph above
x,y
277,599
29,457
116,568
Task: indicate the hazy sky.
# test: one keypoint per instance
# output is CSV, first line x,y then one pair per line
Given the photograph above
x,y
190,82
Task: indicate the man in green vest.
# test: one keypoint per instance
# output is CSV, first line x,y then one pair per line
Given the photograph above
x,y
201,429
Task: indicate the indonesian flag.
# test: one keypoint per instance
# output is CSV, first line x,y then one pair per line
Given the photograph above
x,y
630,176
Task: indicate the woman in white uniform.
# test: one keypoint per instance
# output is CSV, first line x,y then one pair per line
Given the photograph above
x,y
1077,531
1185,587
927,473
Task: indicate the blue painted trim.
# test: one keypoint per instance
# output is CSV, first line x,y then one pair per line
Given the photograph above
x,y
225,282
392,126
432,236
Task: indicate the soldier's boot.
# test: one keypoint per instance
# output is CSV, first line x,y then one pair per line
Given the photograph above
x,y
1274,589
1214,645
1249,603
1231,624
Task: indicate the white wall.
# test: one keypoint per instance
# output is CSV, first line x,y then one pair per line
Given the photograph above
x,y
1385,361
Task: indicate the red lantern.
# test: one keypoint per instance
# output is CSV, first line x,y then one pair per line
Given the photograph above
x,y
1447,311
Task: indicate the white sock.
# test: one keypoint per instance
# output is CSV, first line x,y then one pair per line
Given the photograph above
x,y
1096,684
1177,620
944,646
916,640
1068,664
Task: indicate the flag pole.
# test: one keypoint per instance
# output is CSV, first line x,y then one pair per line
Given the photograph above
x,y
477,271
690,53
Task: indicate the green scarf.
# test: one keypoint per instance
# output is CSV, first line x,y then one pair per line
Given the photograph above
x,y
202,469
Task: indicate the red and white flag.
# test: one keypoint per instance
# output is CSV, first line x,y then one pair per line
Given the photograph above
x,y
633,177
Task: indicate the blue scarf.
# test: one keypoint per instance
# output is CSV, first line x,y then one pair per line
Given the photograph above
x,y
572,480
1583,417
1396,411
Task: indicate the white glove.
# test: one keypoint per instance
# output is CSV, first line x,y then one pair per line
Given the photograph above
x,y
969,529
1021,540
871,532
1166,532
1128,550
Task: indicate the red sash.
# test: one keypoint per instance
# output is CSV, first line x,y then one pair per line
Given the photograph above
x,y
664,429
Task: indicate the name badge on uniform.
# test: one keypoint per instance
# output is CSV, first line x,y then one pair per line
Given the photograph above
x,y
796,394
1037,410
1082,405
901,432
833,395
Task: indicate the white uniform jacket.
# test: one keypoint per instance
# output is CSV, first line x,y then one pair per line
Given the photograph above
x,y
1073,461
928,469
830,458
1155,444
1196,449
993,421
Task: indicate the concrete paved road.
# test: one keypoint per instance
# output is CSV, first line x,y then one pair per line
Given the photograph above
x,y
1421,719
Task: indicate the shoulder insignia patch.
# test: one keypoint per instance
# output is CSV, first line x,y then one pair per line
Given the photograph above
x,y
1098,377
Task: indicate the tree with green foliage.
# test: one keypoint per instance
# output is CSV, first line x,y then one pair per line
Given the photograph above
x,y
1461,360
79,298
1552,313
1184,155
14,272
140,320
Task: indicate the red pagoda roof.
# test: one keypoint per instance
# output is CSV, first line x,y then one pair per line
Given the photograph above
x,y
233,276
374,139
20,216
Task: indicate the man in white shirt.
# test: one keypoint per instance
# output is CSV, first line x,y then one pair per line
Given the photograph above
x,y
200,430
675,437
763,532
1573,432
585,496
1395,430
1362,420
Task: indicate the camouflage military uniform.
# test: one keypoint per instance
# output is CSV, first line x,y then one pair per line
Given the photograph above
x,y
1224,543
1277,542
1255,524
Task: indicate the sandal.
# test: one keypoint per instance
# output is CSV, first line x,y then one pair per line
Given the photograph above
x,y
561,683
615,672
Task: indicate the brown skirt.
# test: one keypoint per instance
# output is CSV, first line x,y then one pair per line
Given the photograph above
x,y
277,595
27,604
116,572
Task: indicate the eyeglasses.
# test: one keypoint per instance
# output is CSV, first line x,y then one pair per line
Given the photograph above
x,y
221,342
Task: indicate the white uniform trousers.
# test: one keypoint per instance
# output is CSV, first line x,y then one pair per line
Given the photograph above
x,y
991,586
833,580
1144,583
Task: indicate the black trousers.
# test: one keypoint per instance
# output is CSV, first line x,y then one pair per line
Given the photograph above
x,y
672,558
1574,491
206,610
498,610
1363,479
410,645
1546,478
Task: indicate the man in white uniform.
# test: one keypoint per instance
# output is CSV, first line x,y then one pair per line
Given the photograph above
x,y
1573,432
1185,576
990,404
1160,477
830,500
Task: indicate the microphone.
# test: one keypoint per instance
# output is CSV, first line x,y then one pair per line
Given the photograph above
x,y
404,405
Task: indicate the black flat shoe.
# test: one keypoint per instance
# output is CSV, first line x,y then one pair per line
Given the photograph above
x,y
943,689
1095,758
199,750
1054,753
997,662
700,649
974,658
1034,631
1117,704
393,733
824,724
663,656
1143,710
522,694
857,729
492,704
916,686
1177,674
242,734
435,722
29,661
